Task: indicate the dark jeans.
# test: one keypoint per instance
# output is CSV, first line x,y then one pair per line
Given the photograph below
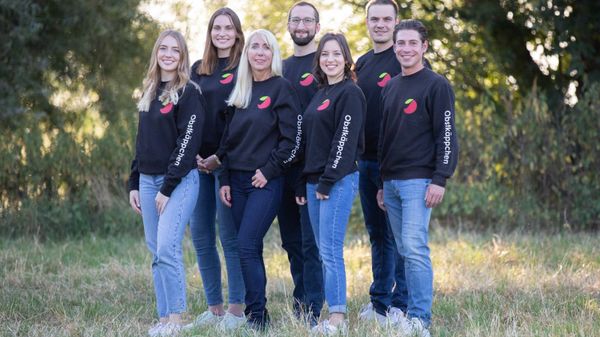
x,y
298,240
389,282
253,212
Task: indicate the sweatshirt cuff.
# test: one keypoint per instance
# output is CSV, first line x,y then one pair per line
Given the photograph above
x,y
268,172
324,188
167,189
438,180
134,184
224,178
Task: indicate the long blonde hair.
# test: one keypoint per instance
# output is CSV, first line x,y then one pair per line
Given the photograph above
x,y
152,79
242,91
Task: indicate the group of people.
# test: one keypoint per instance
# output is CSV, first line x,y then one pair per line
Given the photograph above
x,y
243,136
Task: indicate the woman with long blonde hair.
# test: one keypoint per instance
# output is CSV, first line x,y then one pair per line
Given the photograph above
x,y
258,144
163,184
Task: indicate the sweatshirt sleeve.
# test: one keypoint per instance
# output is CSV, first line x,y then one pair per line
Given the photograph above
x,y
287,109
222,151
444,131
190,121
350,113
134,175
382,125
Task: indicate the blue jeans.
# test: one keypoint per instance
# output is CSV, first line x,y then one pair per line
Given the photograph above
x,y
329,219
164,234
298,240
389,283
202,228
409,218
254,210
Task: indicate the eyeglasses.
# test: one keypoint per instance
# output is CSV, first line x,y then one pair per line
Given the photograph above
x,y
296,21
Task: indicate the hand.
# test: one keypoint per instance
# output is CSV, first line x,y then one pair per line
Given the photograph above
x,y
161,202
134,201
199,163
259,180
301,201
380,200
322,196
211,163
434,195
225,195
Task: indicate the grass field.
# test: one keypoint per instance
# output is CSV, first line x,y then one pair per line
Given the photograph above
x,y
485,285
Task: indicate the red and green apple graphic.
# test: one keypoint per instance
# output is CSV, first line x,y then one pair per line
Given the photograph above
x,y
167,108
324,105
385,77
411,106
266,101
307,79
226,78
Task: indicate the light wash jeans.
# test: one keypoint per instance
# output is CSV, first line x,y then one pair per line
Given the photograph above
x,y
164,234
329,219
202,228
409,218
389,282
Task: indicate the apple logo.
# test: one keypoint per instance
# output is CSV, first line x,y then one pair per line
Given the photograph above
x,y
324,105
226,78
266,101
307,79
385,77
411,106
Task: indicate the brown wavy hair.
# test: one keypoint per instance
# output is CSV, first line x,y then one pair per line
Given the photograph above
x,y
348,62
210,57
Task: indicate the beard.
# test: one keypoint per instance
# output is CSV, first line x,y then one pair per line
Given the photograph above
x,y
302,41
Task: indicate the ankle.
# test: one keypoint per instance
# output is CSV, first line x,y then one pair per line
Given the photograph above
x,y
175,319
217,309
236,310
336,318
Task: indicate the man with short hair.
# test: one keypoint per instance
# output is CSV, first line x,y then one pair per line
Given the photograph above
x,y
374,69
418,152
296,232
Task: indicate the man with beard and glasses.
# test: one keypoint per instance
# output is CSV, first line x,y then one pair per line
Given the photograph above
x,y
294,224
374,69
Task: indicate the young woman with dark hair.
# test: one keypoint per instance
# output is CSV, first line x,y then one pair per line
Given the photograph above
x,y
333,127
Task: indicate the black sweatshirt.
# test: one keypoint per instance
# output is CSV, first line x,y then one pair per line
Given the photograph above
x,y
334,125
373,72
215,89
418,137
298,70
263,135
168,138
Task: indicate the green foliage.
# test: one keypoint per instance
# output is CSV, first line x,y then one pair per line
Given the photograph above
x,y
69,69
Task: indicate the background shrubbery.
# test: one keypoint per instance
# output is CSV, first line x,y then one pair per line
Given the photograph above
x,y
528,129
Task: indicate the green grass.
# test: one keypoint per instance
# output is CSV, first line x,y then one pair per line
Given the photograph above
x,y
485,285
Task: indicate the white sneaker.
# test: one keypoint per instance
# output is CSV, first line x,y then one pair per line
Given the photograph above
x,y
170,329
395,314
207,318
324,328
417,328
368,313
155,329
231,322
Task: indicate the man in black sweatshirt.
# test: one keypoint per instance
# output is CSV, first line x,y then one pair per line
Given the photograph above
x,y
297,236
418,152
374,70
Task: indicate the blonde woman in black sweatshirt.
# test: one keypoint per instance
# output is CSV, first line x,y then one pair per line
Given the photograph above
x,y
163,182
259,142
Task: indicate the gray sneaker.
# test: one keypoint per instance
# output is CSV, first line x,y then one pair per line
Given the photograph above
x,y
155,329
231,322
368,313
326,329
207,318
417,329
170,329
